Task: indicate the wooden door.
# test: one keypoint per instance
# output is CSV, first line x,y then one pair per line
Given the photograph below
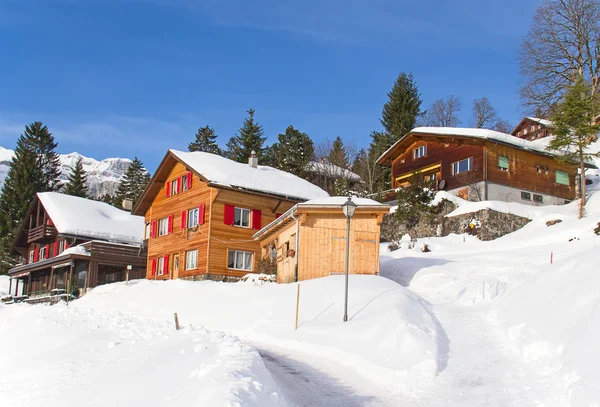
x,y
175,273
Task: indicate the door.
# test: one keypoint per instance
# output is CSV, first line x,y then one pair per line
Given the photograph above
x,y
175,266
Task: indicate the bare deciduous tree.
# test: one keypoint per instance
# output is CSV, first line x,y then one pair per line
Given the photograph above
x,y
484,114
502,126
562,45
443,112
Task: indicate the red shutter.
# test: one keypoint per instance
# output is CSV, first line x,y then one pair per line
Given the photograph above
x,y
153,267
201,214
278,215
189,180
167,189
256,219
183,219
49,222
66,244
166,265
36,254
153,229
47,251
170,224
55,249
179,185
229,214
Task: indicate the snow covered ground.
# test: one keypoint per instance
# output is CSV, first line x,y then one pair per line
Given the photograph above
x,y
470,323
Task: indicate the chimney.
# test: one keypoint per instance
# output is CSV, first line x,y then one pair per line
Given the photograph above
x,y
253,160
127,204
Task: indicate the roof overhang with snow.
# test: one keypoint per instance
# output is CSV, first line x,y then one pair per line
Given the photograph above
x,y
220,172
470,136
324,206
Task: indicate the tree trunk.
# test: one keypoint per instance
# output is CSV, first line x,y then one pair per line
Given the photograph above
x,y
583,188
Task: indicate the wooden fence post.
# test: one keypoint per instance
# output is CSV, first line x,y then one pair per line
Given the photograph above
x,y
177,327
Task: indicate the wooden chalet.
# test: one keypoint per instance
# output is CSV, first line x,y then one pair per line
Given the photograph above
x,y
479,164
533,128
309,240
201,211
72,242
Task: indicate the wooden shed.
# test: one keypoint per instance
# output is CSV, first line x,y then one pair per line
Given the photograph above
x,y
309,240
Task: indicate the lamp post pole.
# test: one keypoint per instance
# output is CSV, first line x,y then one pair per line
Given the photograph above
x,y
347,267
348,208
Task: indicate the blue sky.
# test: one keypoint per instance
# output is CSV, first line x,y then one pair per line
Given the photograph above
x,y
120,78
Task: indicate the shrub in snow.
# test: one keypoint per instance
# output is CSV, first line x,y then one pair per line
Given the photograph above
x,y
597,230
258,279
414,201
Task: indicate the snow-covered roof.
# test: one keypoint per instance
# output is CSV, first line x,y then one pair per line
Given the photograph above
x,y
482,134
72,215
231,174
332,170
544,122
339,200
331,202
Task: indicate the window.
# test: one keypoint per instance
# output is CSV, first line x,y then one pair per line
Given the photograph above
x,y
174,187
503,163
62,246
241,217
43,252
239,260
420,151
193,218
525,196
184,183
462,166
538,198
163,226
31,254
162,266
562,178
541,170
147,234
191,260
525,131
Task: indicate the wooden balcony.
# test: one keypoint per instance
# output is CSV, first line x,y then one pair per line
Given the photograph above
x,y
41,233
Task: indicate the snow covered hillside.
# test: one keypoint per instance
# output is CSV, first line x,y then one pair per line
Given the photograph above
x,y
103,176
521,312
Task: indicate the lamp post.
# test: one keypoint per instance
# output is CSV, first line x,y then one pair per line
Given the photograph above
x,y
348,208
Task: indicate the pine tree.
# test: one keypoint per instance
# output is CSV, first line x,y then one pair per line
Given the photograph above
x,y
206,141
575,129
133,184
293,151
77,180
249,138
339,157
34,168
399,114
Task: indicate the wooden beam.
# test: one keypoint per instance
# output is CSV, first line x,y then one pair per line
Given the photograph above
x,y
276,206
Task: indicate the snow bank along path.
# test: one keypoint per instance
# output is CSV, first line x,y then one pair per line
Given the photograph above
x,y
66,356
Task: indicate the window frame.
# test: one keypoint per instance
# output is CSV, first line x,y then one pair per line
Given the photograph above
x,y
469,166
148,231
184,182
525,193
536,200
187,263
189,213
566,174
244,259
42,254
62,246
500,167
243,210
166,224
416,151
31,256
173,186
160,266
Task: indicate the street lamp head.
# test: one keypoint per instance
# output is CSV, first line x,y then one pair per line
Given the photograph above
x,y
349,207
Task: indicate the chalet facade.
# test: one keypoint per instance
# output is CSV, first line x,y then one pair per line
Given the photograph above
x,y
74,243
478,164
533,128
201,211
309,240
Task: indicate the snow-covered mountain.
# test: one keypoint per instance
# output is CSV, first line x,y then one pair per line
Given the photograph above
x,y
103,176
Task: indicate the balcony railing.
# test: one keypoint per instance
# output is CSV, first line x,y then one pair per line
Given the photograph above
x,y
40,233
